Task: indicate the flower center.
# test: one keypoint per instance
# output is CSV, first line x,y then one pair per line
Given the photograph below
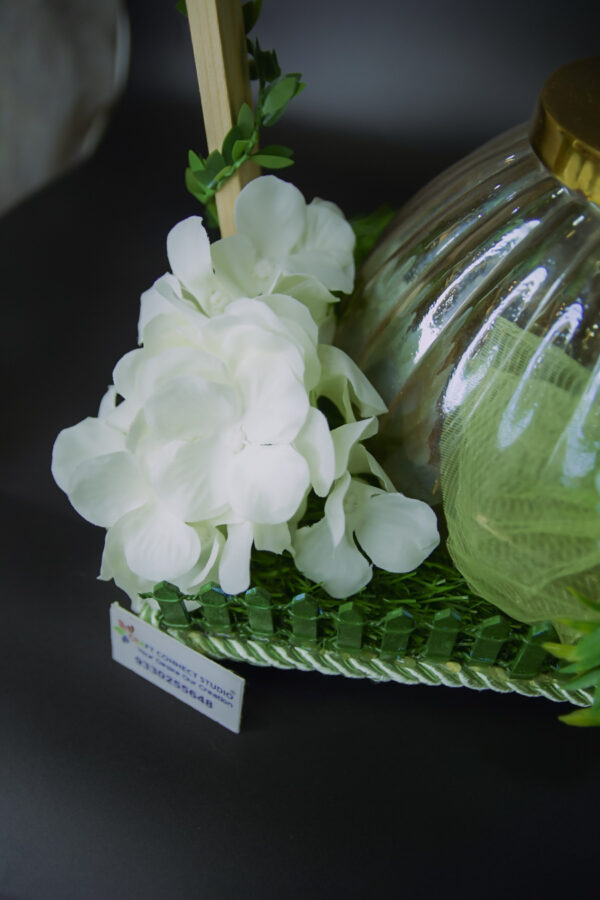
x,y
265,270
216,302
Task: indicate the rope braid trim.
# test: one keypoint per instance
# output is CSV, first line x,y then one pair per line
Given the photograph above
x,y
406,670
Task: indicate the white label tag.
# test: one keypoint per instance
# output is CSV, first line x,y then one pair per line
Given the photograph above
x,y
186,674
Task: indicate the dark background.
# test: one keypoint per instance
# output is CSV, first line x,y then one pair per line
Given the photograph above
x,y
335,788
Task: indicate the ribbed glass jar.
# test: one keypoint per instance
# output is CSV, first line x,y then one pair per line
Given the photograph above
x,y
477,317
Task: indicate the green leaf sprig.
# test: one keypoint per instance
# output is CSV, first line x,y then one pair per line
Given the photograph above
x,y
368,230
205,176
582,663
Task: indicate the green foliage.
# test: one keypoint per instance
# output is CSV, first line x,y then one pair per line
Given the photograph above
x,y
368,230
582,661
251,12
181,7
204,177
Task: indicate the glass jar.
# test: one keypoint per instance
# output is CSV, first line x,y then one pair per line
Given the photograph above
x,y
477,317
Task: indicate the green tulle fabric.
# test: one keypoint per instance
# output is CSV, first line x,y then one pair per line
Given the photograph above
x,y
519,459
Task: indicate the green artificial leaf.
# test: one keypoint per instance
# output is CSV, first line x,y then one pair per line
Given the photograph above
x,y
265,61
181,7
278,95
212,216
245,121
272,162
229,140
215,165
583,718
368,230
277,150
587,680
588,648
251,12
195,162
239,149
561,651
194,187
201,178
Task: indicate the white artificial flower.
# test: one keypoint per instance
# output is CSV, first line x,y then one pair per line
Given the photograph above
x,y
216,432
210,441
395,532
280,235
282,246
108,485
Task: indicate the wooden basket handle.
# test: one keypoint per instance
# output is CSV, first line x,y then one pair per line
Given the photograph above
x,y
221,56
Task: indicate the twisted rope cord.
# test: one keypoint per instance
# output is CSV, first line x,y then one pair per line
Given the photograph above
x,y
404,671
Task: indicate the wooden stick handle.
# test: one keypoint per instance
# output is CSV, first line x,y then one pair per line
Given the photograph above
x,y
219,42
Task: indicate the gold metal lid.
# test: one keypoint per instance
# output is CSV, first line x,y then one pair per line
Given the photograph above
x,y
565,131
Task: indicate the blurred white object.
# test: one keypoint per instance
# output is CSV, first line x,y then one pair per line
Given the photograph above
x,y
62,65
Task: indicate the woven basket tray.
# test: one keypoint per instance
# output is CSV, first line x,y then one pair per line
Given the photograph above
x,y
431,630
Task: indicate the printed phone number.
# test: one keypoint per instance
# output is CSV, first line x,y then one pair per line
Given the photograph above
x,y
164,676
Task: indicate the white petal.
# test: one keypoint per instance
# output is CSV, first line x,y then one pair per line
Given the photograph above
x,y
87,439
335,515
235,260
245,345
274,538
268,483
326,251
310,292
158,545
211,545
338,370
108,402
361,461
194,485
276,402
398,533
114,565
234,569
188,249
176,362
117,415
346,436
272,213
152,303
302,330
289,310
318,264
342,570
106,487
125,373
190,406
315,443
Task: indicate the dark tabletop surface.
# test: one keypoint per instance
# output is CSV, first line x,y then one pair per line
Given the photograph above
x,y
335,787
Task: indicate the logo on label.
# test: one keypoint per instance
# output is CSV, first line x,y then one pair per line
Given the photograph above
x,y
127,633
